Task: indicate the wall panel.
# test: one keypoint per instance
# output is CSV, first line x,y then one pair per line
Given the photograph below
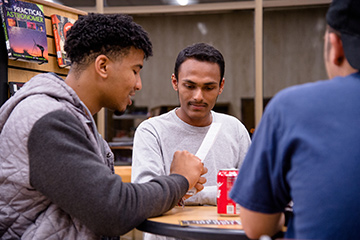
x,y
231,32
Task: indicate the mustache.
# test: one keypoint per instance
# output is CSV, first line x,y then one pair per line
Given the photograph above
x,y
197,103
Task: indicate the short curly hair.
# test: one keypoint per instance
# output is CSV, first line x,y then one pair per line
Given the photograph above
x,y
110,34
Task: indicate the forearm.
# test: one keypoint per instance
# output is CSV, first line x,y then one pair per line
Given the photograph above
x,y
65,168
127,205
256,224
107,205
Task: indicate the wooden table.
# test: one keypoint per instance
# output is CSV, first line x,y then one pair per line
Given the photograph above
x,y
169,224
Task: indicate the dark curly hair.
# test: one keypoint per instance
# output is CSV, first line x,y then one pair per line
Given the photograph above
x,y
201,52
110,34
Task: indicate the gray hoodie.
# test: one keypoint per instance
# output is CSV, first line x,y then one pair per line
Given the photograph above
x,y
56,173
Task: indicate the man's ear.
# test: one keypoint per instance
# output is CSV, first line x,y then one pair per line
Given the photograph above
x,y
174,82
222,86
338,55
102,65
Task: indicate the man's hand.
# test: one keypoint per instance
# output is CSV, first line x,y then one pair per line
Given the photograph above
x,y
190,166
199,186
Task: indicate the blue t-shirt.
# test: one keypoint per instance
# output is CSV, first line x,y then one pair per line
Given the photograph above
x,y
307,149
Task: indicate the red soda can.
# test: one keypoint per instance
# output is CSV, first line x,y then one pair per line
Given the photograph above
x,y
225,181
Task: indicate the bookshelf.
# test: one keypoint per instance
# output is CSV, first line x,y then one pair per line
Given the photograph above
x,y
120,132
18,71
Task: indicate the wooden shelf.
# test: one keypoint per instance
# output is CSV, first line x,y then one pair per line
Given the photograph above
x,y
122,148
20,71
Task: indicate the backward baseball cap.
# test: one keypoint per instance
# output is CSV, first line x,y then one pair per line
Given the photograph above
x,y
344,16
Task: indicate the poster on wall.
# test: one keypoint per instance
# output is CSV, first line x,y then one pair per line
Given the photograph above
x,y
25,32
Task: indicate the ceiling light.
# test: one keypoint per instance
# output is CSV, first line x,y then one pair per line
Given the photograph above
x,y
183,2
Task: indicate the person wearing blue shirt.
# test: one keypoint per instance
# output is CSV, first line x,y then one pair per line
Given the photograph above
x,y
306,147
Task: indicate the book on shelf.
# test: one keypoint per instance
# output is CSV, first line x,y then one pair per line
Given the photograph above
x,y
14,87
61,25
25,34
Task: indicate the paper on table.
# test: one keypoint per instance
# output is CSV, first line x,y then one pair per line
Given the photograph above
x,y
209,222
